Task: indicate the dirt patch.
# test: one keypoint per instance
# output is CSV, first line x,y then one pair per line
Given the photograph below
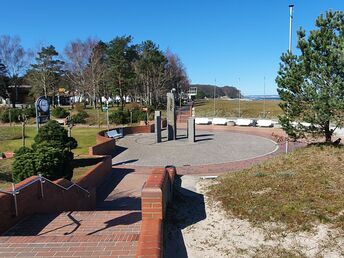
x,y
223,235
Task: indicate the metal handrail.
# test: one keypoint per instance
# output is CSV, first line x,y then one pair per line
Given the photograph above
x,y
15,191
43,179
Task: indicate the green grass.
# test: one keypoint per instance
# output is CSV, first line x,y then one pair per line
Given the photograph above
x,y
296,189
85,136
5,173
11,133
97,117
230,108
82,165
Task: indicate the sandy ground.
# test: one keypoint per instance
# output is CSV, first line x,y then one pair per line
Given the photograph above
x,y
200,228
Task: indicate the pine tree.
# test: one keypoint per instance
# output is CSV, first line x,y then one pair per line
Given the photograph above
x,y
45,73
311,85
4,81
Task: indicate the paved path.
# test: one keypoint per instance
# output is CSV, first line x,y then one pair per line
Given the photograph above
x,y
126,195
233,149
209,148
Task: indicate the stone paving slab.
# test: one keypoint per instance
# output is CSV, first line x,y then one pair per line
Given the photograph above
x,y
211,147
225,167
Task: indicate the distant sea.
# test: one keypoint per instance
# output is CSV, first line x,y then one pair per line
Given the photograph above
x,y
261,97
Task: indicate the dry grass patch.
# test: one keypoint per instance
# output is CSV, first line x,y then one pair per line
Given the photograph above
x,y
299,190
230,108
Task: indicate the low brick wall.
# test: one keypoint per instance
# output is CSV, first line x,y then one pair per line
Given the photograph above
x,y
106,146
138,129
51,197
95,177
156,195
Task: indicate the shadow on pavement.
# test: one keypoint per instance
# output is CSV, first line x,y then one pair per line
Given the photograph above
x,y
118,150
126,203
32,225
187,209
126,219
204,139
125,162
111,182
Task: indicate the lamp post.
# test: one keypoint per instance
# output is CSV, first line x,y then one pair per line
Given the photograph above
x,y
291,6
214,95
239,98
264,110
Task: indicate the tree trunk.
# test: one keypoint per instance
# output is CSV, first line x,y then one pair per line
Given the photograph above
x,y
328,132
14,96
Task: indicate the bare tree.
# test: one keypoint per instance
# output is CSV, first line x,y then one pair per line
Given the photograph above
x,y
96,71
77,56
15,59
176,76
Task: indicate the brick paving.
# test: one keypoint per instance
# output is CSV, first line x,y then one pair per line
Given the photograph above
x,y
110,231
120,245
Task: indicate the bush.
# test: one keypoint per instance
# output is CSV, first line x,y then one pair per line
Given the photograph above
x,y
80,117
51,162
50,154
29,112
79,107
139,115
59,112
55,135
119,117
15,113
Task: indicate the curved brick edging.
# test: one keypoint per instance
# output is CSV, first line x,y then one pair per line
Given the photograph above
x,y
106,146
157,193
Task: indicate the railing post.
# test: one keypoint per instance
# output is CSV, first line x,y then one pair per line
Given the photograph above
x,y
41,181
14,194
286,145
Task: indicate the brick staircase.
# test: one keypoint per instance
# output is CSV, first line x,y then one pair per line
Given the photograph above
x,y
74,234
110,231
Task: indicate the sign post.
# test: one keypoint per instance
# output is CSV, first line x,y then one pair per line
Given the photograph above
x,y
106,108
42,111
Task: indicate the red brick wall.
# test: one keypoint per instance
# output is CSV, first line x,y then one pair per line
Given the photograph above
x,y
105,146
54,199
95,177
156,194
30,201
139,129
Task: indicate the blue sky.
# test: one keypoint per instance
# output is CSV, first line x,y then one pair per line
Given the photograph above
x,y
223,40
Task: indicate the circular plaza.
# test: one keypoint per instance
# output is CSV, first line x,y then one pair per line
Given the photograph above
x,y
210,147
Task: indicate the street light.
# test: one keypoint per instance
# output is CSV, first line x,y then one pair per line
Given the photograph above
x,y
214,95
291,6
